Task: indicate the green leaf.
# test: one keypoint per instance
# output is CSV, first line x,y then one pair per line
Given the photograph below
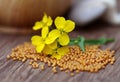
x,y
72,42
81,43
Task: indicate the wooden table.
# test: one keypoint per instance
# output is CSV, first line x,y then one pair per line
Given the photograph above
x,y
16,71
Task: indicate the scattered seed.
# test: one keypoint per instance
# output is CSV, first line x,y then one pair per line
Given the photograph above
x,y
8,56
42,67
54,69
72,74
92,60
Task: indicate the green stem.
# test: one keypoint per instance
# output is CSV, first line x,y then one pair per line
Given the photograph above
x,y
99,41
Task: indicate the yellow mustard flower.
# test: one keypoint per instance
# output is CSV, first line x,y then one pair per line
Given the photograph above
x,y
44,24
64,26
55,51
45,38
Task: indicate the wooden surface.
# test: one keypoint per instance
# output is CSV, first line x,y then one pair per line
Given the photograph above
x,y
15,71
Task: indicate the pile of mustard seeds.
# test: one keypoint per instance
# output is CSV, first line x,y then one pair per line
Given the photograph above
x,y
92,60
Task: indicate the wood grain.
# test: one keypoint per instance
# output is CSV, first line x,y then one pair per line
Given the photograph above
x,y
15,71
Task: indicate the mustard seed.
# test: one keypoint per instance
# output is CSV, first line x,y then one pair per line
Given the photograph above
x,y
92,60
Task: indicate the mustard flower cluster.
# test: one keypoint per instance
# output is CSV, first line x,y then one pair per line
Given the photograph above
x,y
53,42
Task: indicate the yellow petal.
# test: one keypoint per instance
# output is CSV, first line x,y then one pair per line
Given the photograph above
x,y
47,50
57,56
69,26
45,31
38,25
44,20
54,33
63,50
36,40
52,36
53,45
50,21
49,40
40,47
60,22
64,39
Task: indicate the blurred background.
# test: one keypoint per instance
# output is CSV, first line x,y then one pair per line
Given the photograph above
x,y
18,16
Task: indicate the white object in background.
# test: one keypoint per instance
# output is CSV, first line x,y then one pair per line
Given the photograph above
x,y
85,11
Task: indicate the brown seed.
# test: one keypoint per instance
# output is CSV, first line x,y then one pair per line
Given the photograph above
x,y
42,67
30,62
8,56
24,59
112,63
61,69
54,70
35,65
72,74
